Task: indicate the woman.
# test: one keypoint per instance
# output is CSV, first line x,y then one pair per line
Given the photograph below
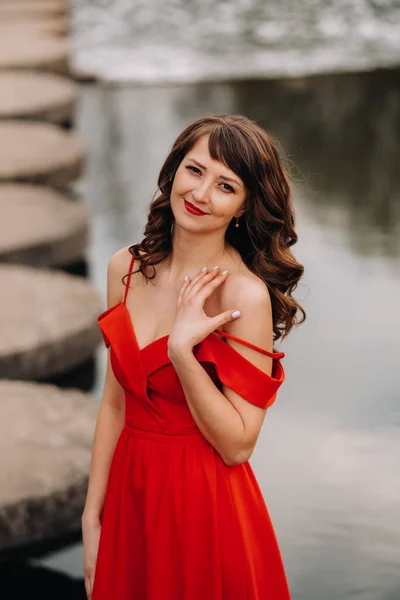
x,y
173,510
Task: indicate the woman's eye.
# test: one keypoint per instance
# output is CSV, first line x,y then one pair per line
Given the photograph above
x,y
228,187
193,169
197,171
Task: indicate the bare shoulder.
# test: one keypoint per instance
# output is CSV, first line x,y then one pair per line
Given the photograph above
x,y
118,266
245,291
120,260
243,286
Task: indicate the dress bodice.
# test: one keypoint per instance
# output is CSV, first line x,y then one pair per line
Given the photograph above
x,y
152,385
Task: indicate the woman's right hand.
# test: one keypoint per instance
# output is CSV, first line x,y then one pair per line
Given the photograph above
x,y
91,538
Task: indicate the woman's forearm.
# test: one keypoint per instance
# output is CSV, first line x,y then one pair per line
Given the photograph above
x,y
217,419
109,424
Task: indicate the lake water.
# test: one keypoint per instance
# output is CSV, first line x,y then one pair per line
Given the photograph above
x,y
328,455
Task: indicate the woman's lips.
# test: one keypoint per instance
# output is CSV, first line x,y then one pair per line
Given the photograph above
x,y
193,210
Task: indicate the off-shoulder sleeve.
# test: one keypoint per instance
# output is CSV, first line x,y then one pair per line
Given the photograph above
x,y
105,338
109,319
238,373
106,323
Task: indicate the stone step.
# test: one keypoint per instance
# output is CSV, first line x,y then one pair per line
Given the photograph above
x,y
48,322
35,26
45,446
40,153
41,227
14,9
35,53
37,96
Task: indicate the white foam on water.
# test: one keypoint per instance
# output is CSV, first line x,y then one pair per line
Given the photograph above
x,y
154,41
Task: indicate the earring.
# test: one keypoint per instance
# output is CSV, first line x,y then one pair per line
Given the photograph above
x,y
237,222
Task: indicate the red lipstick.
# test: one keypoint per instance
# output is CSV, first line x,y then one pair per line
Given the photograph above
x,y
193,210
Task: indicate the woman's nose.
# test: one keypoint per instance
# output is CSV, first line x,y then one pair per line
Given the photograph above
x,y
201,191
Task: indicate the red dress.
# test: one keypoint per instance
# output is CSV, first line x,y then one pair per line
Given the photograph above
x,y
177,523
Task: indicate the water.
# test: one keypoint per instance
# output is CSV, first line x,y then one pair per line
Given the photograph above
x,y
328,455
193,40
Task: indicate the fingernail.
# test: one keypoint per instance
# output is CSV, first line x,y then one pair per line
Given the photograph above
x,y
204,269
216,267
224,272
186,277
235,314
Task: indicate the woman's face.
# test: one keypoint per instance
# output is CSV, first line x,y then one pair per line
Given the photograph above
x,y
209,186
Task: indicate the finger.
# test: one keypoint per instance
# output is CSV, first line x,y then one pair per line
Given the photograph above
x,y
197,286
225,317
209,287
203,273
183,289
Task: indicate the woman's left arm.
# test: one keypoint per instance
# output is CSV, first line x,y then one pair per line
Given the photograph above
x,y
229,422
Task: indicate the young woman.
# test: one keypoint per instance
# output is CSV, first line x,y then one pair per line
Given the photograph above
x,y
173,509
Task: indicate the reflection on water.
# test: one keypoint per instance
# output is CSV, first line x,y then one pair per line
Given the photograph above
x,y
343,133
328,451
334,495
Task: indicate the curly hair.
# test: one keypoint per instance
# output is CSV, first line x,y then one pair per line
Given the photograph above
x,y
266,230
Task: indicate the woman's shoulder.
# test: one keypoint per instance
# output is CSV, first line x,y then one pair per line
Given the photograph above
x,y
246,292
244,286
120,261
118,266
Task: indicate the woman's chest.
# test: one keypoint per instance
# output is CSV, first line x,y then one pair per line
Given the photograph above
x,y
153,311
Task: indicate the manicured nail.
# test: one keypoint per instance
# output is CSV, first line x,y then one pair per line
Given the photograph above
x,y
235,314
224,272
204,269
186,277
216,267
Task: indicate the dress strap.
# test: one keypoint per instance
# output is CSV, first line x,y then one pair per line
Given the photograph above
x,y
129,277
276,355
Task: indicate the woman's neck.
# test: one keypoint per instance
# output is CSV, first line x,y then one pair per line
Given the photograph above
x,y
190,253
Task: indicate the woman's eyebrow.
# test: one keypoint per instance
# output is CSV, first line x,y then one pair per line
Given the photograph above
x,y
230,179
221,176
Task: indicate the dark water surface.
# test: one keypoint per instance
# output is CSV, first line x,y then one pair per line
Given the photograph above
x,y
328,454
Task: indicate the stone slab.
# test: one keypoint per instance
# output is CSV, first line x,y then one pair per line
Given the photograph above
x,y
36,27
45,446
41,227
37,96
40,153
35,53
48,322
37,8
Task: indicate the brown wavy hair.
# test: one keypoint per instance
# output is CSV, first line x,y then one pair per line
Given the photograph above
x,y
266,228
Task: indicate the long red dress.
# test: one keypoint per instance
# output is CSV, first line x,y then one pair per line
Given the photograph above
x,y
177,523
